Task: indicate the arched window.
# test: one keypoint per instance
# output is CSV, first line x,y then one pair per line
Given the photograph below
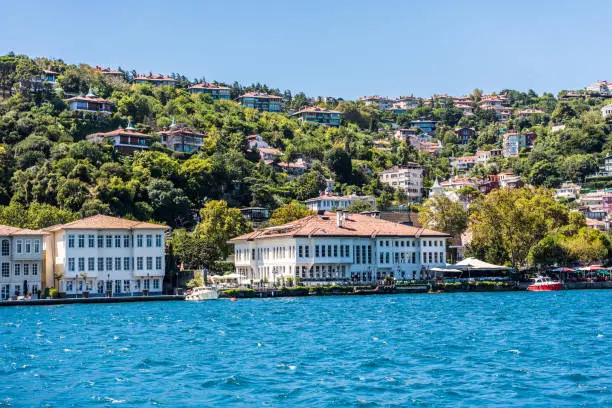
x,y
5,247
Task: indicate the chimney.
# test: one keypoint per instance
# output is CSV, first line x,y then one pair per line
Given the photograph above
x,y
339,218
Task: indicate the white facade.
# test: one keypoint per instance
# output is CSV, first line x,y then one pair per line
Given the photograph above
x,y
409,179
328,202
21,262
329,258
606,110
116,258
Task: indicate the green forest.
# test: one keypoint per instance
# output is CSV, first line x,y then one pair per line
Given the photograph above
x,y
47,166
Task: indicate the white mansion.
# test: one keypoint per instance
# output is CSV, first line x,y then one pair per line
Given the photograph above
x,y
338,247
21,257
105,255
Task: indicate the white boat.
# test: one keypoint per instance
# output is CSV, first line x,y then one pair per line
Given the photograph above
x,y
203,293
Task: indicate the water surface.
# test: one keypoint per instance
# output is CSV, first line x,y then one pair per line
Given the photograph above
x,y
446,350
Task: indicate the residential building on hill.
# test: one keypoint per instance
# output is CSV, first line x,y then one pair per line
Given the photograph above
x,y
105,256
155,80
109,72
463,163
319,115
427,126
340,247
465,134
21,262
600,88
181,138
256,141
379,102
216,91
125,141
329,201
408,178
483,156
606,111
568,191
526,113
261,101
513,143
90,103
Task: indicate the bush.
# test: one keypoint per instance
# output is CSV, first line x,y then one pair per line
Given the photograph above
x,y
239,293
294,291
53,293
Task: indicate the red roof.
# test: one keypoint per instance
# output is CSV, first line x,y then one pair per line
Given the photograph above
x,y
356,225
206,85
315,109
6,230
154,78
259,95
119,132
89,99
106,222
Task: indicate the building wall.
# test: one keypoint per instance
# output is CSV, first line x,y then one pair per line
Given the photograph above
x,y
310,259
91,267
24,268
410,180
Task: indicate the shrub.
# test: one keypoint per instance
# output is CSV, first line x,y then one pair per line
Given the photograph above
x,y
54,293
294,291
239,293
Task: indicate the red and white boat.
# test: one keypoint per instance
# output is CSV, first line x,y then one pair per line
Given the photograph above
x,y
544,284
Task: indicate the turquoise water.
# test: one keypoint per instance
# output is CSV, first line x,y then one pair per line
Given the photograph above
x,y
445,350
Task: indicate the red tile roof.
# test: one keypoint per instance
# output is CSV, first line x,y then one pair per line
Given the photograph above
x,y
154,78
259,95
356,225
6,230
206,85
89,99
119,132
106,222
315,109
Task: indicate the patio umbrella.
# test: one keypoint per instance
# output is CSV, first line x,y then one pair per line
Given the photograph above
x,y
591,268
563,269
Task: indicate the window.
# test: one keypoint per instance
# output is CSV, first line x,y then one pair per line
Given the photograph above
x,y
139,265
323,250
81,264
387,258
109,264
307,251
100,264
149,241
26,269
28,246
5,247
329,250
149,263
117,241
117,286
69,286
158,263
357,255
100,287
6,270
300,251
17,269
158,240
70,241
91,241
118,263
341,250
81,241
70,264
137,284
19,246
155,283
36,246
126,263
91,264
316,251
126,286
126,241
146,284
100,241
335,250
369,254
139,241
34,269
109,241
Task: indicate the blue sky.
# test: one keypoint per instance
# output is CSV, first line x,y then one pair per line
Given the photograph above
x,y
333,48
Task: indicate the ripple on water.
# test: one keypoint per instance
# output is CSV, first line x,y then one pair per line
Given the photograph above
x,y
478,349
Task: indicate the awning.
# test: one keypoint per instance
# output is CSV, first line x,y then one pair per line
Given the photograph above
x,y
477,264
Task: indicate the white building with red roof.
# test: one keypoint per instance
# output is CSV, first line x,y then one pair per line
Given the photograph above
x,y
90,103
105,255
338,247
21,260
181,138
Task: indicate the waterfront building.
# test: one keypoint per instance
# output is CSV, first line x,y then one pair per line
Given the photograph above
x,y
155,80
261,101
105,255
318,115
21,262
90,103
181,138
126,141
216,91
408,178
338,247
328,201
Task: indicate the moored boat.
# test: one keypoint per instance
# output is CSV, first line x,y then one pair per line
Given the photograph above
x,y
203,293
544,284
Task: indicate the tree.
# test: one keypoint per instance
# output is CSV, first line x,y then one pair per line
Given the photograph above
x,y
507,223
339,162
357,207
289,212
440,213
